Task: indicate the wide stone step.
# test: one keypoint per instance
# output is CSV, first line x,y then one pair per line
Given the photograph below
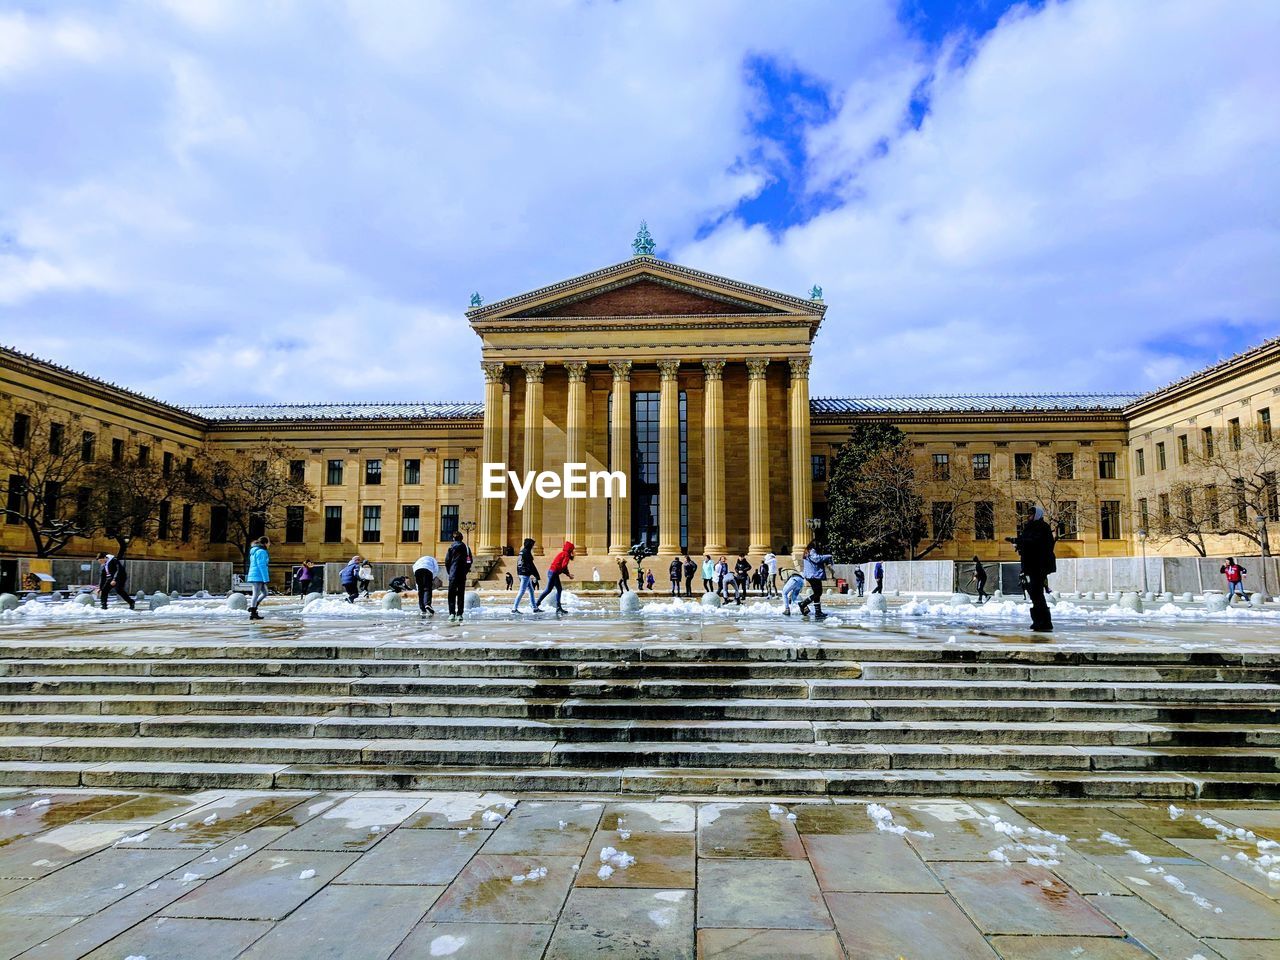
x,y
641,781
1041,673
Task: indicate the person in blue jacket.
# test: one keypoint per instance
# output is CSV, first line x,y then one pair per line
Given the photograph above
x,y
815,571
349,577
259,574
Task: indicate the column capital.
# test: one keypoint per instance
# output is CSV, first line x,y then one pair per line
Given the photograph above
x,y
533,370
800,367
621,369
577,370
668,369
714,369
493,370
756,367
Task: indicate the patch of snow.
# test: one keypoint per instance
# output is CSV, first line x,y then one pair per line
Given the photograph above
x,y
189,878
605,872
40,803
306,874
136,838
446,945
999,855
1175,812
534,874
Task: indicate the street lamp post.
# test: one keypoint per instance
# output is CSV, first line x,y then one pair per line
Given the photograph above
x,y
814,524
1263,544
1142,539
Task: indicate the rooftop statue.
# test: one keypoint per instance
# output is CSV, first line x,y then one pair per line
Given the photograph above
x,y
815,293
476,299
643,244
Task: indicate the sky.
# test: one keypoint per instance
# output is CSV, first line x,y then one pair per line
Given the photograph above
x,y
293,200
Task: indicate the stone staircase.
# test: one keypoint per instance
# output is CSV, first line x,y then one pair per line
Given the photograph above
x,y
659,717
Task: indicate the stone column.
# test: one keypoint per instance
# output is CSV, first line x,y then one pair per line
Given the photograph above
x,y
531,516
758,455
620,444
713,457
491,511
801,465
669,457
575,511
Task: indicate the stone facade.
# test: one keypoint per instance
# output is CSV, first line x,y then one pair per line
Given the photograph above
x,y
561,368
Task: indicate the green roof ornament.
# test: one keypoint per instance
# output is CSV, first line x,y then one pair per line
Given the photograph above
x,y
643,244
815,293
476,299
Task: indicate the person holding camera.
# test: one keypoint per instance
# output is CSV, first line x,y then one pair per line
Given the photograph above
x,y
1034,544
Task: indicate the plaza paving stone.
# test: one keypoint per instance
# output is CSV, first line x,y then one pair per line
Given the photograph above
x,y
712,879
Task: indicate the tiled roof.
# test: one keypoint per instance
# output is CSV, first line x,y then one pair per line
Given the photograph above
x,y
342,411
973,403
1266,346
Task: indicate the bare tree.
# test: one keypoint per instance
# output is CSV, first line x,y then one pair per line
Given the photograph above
x,y
1067,500
955,492
1244,469
252,487
132,502
39,466
1192,516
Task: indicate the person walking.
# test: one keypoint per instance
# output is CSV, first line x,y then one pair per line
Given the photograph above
x,y
425,570
366,578
528,571
673,572
1034,544
708,572
690,568
980,579
302,579
624,576
815,571
791,592
859,579
559,568
259,575
349,577
771,561
877,574
113,576
457,564
1234,573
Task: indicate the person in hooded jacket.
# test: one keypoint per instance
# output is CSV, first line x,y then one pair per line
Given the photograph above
x,y
349,577
425,571
1034,544
741,572
674,572
815,571
559,568
457,564
113,576
259,575
527,571
690,568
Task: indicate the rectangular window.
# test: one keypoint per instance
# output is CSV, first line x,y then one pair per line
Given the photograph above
x,y
409,525
1269,496
52,494
117,452
1022,466
942,466
297,470
413,471
189,467
984,520
1068,521
1242,502
144,454
1021,508
21,430
1206,442
294,524
257,526
1165,513
943,516
1188,507
56,433
17,493
818,467
166,465
1109,519
1106,465
88,446
448,521
1140,462
1144,514
1211,505
218,524
1233,432
449,472
163,520
332,524
371,525
333,473
1066,465
373,472
1184,450
84,497
982,466
1161,463
1264,424
186,523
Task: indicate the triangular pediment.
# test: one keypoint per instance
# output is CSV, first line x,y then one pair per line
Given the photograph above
x,y
645,287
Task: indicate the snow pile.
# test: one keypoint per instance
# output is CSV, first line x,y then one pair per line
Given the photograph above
x,y
535,874
884,822
1157,870
1265,864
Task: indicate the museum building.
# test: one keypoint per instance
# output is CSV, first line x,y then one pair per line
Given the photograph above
x,y
695,386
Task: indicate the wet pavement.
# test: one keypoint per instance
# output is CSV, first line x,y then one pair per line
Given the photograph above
x,y
217,875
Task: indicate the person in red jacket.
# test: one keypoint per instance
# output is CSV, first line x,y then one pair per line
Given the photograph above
x,y
1234,573
559,567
